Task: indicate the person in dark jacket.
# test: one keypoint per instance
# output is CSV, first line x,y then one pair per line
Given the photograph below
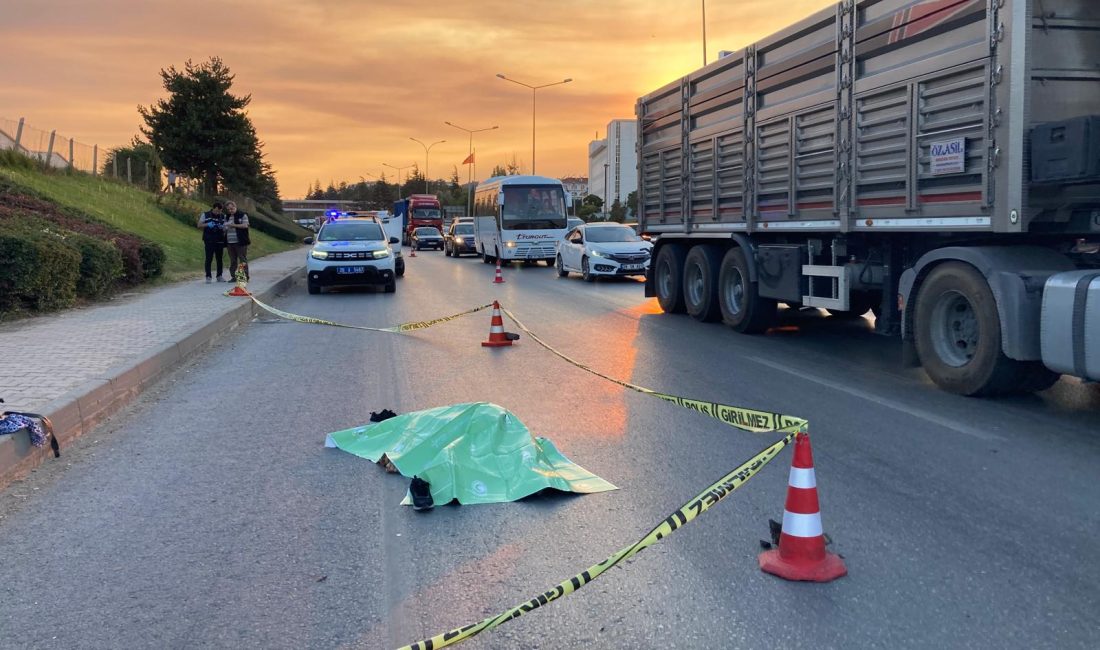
x,y
212,223
236,222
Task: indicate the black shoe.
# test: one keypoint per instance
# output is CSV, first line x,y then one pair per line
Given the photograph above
x,y
421,494
384,414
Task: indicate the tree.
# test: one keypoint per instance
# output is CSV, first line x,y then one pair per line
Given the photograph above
x,y
618,211
499,171
632,204
513,166
382,194
202,131
414,182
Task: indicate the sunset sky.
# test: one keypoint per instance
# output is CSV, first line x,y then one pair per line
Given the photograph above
x,y
339,86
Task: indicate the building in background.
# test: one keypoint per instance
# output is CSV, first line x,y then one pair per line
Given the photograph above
x,y
613,162
576,188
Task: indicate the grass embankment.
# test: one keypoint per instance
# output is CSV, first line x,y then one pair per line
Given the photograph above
x,y
133,210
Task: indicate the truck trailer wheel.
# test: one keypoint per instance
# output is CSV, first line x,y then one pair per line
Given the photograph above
x,y
701,282
742,308
667,278
958,337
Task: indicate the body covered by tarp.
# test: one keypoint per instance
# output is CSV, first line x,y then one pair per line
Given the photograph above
x,y
476,453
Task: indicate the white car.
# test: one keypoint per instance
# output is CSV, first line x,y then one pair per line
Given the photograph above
x,y
594,249
351,252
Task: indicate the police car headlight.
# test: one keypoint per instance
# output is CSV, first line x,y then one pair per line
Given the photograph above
x,y
382,254
319,255
510,244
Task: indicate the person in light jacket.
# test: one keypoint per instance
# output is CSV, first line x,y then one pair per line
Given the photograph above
x,y
236,234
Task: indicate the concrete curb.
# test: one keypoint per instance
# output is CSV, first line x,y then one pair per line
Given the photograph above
x,y
80,410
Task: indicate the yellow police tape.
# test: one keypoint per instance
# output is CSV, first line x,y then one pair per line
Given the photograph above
x,y
403,327
741,418
702,502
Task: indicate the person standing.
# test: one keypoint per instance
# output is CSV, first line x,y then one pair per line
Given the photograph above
x,y
236,222
212,223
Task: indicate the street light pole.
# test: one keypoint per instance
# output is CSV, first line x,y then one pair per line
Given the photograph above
x,y
533,89
473,165
427,148
398,175
704,33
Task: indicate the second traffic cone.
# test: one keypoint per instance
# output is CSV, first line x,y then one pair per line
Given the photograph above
x,y
242,282
801,554
500,278
498,338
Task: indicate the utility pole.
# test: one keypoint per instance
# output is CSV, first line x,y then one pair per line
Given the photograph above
x,y
427,149
533,89
473,165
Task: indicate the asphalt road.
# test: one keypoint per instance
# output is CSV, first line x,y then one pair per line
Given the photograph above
x,y
209,514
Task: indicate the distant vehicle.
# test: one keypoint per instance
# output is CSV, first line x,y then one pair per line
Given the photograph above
x,y
418,210
602,249
459,238
351,252
519,218
427,237
390,223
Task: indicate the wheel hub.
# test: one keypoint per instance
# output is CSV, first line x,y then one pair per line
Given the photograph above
x,y
955,330
735,291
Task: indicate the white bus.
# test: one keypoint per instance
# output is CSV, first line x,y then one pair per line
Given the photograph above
x,y
519,218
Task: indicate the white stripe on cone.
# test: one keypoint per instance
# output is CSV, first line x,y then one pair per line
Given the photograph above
x,y
797,525
802,477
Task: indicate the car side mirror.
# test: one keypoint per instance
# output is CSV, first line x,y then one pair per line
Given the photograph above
x,y
394,240
307,240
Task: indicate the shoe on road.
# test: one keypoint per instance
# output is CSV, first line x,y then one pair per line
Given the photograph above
x,y
421,494
208,280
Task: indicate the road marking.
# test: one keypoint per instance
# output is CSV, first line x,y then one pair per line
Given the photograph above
x,y
981,434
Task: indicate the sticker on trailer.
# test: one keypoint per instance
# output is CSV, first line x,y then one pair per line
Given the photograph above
x,y
948,157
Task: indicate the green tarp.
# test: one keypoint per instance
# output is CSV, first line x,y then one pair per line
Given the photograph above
x,y
476,453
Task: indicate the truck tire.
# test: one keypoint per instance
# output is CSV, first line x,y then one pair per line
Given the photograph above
x,y
742,308
701,282
667,278
958,337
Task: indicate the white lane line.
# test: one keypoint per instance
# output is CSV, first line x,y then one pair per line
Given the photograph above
x,y
975,432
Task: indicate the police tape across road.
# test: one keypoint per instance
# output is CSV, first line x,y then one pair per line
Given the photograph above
x,y
746,419
394,329
702,502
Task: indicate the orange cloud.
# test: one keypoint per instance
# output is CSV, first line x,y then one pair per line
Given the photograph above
x,y
339,86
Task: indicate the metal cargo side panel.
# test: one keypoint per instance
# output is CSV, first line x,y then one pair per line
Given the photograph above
x,y
715,114
659,138
1070,324
922,90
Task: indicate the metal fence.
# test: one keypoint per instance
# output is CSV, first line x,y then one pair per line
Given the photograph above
x,y
49,147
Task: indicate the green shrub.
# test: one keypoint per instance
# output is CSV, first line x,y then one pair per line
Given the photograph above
x,y
100,266
152,259
39,270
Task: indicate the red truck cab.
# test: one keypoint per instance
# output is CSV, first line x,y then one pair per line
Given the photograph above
x,y
419,210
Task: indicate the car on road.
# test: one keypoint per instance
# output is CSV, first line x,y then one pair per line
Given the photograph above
x,y
427,237
459,238
609,249
351,252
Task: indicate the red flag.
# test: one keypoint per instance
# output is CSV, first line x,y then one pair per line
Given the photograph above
x,y
469,160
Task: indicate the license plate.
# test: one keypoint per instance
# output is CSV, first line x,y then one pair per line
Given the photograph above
x,y
633,267
349,270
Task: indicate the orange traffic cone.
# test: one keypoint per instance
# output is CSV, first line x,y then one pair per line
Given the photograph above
x,y
801,554
242,283
498,338
500,278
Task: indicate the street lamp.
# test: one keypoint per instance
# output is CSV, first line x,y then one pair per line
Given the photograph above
x,y
427,148
533,89
398,172
473,164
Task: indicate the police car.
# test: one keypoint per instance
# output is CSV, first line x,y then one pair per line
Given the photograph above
x,y
351,251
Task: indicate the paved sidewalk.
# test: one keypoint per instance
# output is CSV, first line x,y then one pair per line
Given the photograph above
x,y
81,365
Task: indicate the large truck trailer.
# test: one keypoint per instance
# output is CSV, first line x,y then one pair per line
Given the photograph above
x,y
936,161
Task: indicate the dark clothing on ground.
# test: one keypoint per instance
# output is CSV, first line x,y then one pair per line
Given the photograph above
x,y
214,251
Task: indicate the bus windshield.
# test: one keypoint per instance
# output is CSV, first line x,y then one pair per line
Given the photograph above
x,y
533,208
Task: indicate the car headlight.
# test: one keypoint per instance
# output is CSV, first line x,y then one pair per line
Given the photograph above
x,y
510,244
597,253
318,255
381,255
